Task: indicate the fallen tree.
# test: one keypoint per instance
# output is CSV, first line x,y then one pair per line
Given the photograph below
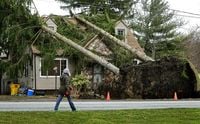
x,y
158,79
142,56
151,79
86,52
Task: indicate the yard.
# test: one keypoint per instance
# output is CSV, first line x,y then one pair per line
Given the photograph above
x,y
157,116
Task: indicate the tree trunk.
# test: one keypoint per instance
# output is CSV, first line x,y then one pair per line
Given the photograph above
x,y
83,50
140,55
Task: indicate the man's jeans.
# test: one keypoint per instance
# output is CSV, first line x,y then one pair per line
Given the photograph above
x,y
59,99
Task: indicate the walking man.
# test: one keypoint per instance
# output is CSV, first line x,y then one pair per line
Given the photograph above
x,y
64,90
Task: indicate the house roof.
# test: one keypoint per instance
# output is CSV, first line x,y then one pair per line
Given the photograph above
x,y
131,39
96,40
97,45
121,21
74,21
34,50
46,18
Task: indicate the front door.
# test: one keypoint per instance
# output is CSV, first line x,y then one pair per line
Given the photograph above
x,y
97,76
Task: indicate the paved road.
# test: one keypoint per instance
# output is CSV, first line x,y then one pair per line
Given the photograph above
x,y
98,105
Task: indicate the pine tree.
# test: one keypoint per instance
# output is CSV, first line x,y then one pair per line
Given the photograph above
x,y
17,27
111,8
155,26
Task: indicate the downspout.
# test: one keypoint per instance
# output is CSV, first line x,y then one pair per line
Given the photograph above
x,y
35,72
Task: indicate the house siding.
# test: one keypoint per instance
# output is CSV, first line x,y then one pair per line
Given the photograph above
x,y
44,82
120,25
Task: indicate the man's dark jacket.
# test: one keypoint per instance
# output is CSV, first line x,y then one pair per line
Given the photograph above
x,y
64,84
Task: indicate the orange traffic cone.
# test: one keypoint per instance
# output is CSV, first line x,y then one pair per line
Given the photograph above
x,y
175,96
108,96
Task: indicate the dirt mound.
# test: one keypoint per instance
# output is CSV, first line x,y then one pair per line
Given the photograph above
x,y
159,79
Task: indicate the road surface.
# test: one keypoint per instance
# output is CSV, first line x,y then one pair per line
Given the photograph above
x,y
98,105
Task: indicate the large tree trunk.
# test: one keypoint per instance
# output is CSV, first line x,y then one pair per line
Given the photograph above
x,y
142,56
83,50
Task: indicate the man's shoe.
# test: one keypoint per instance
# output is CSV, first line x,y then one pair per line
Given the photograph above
x,y
55,110
74,110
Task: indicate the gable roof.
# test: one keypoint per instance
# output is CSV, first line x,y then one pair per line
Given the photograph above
x,y
132,42
49,18
131,39
34,50
74,21
121,21
97,45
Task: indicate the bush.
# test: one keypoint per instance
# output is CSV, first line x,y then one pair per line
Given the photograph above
x,y
79,82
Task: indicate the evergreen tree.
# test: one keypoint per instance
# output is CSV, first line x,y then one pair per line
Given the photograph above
x,y
111,8
155,26
17,27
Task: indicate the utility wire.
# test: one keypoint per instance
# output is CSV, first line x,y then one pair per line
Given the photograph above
x,y
98,5
190,13
187,16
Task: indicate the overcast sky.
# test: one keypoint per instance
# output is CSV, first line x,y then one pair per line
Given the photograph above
x,y
191,6
46,7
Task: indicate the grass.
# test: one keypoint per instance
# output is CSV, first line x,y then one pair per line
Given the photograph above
x,y
157,116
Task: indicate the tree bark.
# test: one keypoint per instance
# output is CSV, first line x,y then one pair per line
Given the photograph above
x,y
142,56
83,50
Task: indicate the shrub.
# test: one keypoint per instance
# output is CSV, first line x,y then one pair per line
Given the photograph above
x,y
79,82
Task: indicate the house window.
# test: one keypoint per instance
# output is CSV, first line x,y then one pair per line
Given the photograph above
x,y
61,64
121,32
51,27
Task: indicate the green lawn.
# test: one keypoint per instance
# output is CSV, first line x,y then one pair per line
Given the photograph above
x,y
159,116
